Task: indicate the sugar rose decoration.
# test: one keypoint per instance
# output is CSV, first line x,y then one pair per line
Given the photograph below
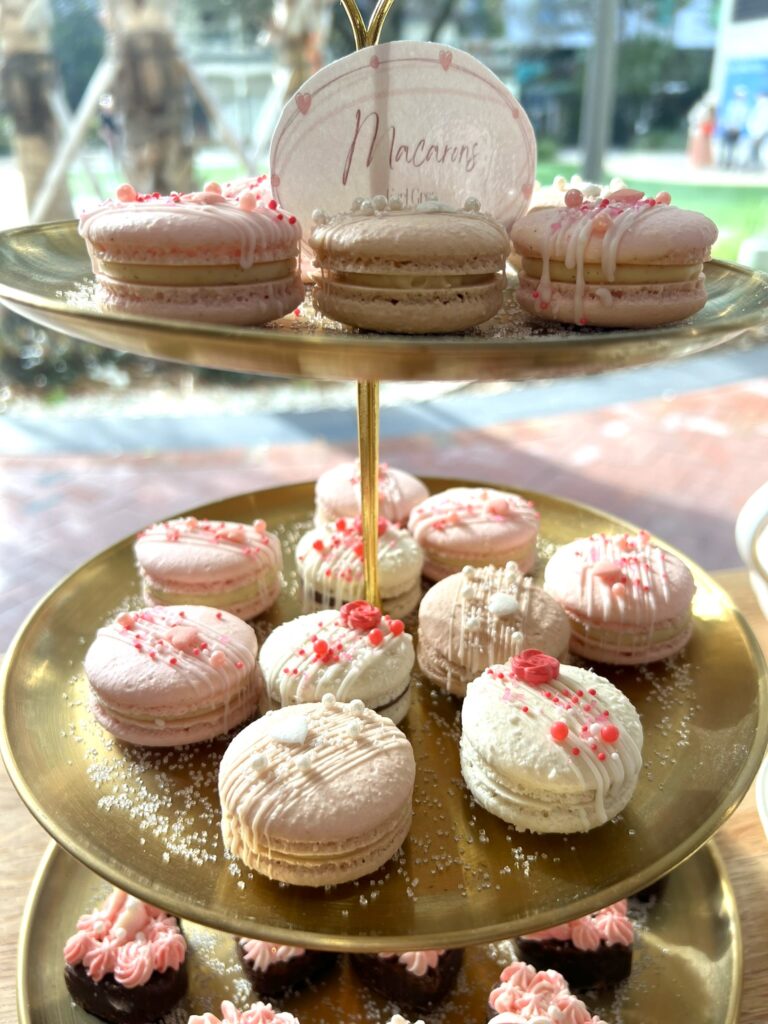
x,y
535,667
360,615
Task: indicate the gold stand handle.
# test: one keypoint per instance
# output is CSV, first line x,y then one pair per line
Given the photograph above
x,y
368,445
367,35
368,390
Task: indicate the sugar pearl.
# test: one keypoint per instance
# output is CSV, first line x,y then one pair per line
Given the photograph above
x,y
573,198
379,203
395,204
366,207
472,204
126,193
328,700
356,707
319,217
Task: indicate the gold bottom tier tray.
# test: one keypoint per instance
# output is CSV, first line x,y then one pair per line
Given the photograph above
x,y
687,959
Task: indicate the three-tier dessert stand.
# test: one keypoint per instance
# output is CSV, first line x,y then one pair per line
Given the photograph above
x,y
148,821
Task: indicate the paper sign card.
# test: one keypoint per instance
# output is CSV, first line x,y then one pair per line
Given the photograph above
x,y
417,121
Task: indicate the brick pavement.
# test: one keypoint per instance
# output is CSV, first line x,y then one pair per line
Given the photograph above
x,y
681,466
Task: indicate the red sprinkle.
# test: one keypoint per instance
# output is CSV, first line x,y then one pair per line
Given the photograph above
x,y
397,627
601,756
273,204
318,545
575,751
171,661
609,733
558,732
321,648
239,664
219,615
375,637
291,220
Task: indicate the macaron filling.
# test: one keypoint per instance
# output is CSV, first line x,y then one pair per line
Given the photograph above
x,y
161,273
593,273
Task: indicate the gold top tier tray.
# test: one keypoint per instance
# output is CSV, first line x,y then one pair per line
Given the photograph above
x,y
46,276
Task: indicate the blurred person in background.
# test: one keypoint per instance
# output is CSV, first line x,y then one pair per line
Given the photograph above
x,y
701,128
733,122
757,130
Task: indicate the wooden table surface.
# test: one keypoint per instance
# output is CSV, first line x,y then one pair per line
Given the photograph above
x,y
741,841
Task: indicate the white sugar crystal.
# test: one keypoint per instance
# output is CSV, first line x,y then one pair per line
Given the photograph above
x,y
502,605
293,732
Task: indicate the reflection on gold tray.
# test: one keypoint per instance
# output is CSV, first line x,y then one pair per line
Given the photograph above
x,y
46,276
149,820
687,959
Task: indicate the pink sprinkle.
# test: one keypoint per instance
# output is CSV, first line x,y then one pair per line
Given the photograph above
x,y
575,751
238,664
219,615
218,659
601,756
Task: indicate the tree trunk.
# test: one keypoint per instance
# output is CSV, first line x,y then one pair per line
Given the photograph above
x,y
151,100
27,79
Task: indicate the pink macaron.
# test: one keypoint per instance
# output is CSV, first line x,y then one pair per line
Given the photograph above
x,y
233,566
625,260
629,600
161,676
199,256
337,493
474,526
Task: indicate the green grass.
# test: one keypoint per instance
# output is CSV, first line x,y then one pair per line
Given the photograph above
x,y
738,211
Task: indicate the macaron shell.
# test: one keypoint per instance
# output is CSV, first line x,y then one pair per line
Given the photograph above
x,y
664,235
435,241
337,493
410,311
377,675
619,579
474,526
206,552
246,305
614,305
518,771
330,800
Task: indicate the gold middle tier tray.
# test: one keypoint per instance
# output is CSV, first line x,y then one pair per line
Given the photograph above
x,y
149,820
46,276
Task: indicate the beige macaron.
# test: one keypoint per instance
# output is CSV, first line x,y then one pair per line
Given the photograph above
x,y
421,270
317,794
482,616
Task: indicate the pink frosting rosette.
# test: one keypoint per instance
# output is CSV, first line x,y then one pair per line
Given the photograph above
x,y
360,615
127,938
257,1013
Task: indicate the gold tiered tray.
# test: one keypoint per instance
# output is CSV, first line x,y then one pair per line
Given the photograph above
x,y
46,276
149,820
686,966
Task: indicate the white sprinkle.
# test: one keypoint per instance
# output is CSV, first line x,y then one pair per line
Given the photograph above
x,y
328,700
503,605
293,732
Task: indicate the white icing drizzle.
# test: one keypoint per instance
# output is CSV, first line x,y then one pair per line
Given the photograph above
x,y
483,637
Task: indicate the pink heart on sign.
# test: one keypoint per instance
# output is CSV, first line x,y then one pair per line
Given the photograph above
x,y
275,181
303,101
374,62
527,191
446,59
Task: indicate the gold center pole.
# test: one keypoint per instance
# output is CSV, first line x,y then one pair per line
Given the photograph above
x,y
368,444
368,390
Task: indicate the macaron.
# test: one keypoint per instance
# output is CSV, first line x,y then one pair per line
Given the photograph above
x,y
337,493
421,270
329,559
198,256
164,676
317,794
232,566
549,747
482,616
626,260
628,600
352,653
474,526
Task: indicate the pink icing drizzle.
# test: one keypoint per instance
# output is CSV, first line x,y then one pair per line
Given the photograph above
x,y
418,961
610,925
127,938
257,1013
